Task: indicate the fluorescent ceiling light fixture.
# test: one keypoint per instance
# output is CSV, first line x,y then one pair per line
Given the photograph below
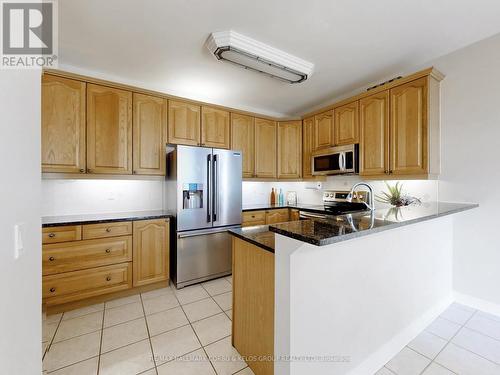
x,y
254,55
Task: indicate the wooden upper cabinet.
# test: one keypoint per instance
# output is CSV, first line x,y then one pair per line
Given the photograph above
x,y
307,146
243,139
346,124
374,141
265,148
323,130
150,251
183,123
109,130
214,127
149,134
290,149
408,127
63,125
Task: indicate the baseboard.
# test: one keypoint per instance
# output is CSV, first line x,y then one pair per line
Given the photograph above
x,y
383,355
477,303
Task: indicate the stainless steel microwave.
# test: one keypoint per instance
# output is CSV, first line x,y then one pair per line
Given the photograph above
x,y
336,160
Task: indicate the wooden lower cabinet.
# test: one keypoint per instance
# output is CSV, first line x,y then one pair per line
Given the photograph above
x,y
72,286
277,216
253,304
151,255
263,217
294,215
251,218
61,234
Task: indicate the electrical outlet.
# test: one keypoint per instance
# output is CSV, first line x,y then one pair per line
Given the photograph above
x,y
19,233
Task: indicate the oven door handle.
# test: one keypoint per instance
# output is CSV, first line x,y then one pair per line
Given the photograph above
x,y
308,215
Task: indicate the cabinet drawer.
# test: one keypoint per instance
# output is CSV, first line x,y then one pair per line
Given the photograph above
x,y
61,234
78,255
123,228
72,286
276,216
250,218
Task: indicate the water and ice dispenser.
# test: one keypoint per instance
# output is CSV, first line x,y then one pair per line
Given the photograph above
x,y
192,196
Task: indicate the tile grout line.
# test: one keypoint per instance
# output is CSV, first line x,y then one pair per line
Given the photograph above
x,y
149,335
100,343
202,347
51,341
446,345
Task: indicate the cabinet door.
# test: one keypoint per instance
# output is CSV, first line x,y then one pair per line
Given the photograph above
x,y
323,130
307,146
374,141
409,128
183,123
277,216
150,251
63,125
149,134
265,148
346,124
243,139
214,127
289,149
109,130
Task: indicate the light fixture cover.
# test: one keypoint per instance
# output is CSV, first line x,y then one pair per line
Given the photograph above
x,y
254,55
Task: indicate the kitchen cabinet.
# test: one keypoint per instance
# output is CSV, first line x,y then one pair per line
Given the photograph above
x,y
265,148
109,130
294,215
243,139
408,128
63,125
61,234
214,127
184,120
279,215
323,130
374,142
150,251
307,146
289,149
149,134
346,124
251,218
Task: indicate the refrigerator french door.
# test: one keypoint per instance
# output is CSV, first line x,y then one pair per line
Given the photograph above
x,y
208,203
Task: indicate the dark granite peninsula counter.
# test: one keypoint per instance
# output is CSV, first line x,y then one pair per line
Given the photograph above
x,y
52,221
339,228
257,235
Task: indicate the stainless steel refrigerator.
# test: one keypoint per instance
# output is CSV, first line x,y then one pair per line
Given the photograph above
x,y
203,189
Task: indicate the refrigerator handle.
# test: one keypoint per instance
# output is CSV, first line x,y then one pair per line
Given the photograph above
x,y
215,189
209,174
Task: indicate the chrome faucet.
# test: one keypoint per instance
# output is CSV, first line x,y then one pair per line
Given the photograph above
x,y
370,206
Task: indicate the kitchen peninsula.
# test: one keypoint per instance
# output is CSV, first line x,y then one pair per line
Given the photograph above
x,y
349,292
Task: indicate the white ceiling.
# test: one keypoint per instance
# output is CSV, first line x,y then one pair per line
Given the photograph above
x,y
159,44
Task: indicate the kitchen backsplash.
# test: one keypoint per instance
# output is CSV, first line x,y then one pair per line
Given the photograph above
x,y
68,197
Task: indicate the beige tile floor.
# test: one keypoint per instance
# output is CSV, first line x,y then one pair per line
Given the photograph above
x,y
461,341
165,331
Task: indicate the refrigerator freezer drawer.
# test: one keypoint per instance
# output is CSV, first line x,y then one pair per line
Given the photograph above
x,y
202,255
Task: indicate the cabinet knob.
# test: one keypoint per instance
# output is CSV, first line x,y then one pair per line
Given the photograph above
x,y
386,172
52,235
108,278
89,170
82,170
108,230
52,290
108,251
390,172
134,172
52,259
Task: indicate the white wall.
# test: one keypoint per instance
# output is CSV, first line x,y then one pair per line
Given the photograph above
x,y
20,280
470,128
71,197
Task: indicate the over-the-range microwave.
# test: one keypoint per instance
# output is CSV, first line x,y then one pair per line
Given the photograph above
x,y
336,160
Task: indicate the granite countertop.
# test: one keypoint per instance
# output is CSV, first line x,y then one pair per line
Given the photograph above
x,y
344,227
258,235
52,221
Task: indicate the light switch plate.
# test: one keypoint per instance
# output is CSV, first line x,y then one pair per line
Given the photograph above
x,y
19,234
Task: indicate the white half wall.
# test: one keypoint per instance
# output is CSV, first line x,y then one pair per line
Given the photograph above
x,y
72,197
20,279
470,134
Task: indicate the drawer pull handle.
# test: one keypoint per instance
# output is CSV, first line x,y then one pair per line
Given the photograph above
x,y
108,251
108,230
52,235
52,259
108,278
52,290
